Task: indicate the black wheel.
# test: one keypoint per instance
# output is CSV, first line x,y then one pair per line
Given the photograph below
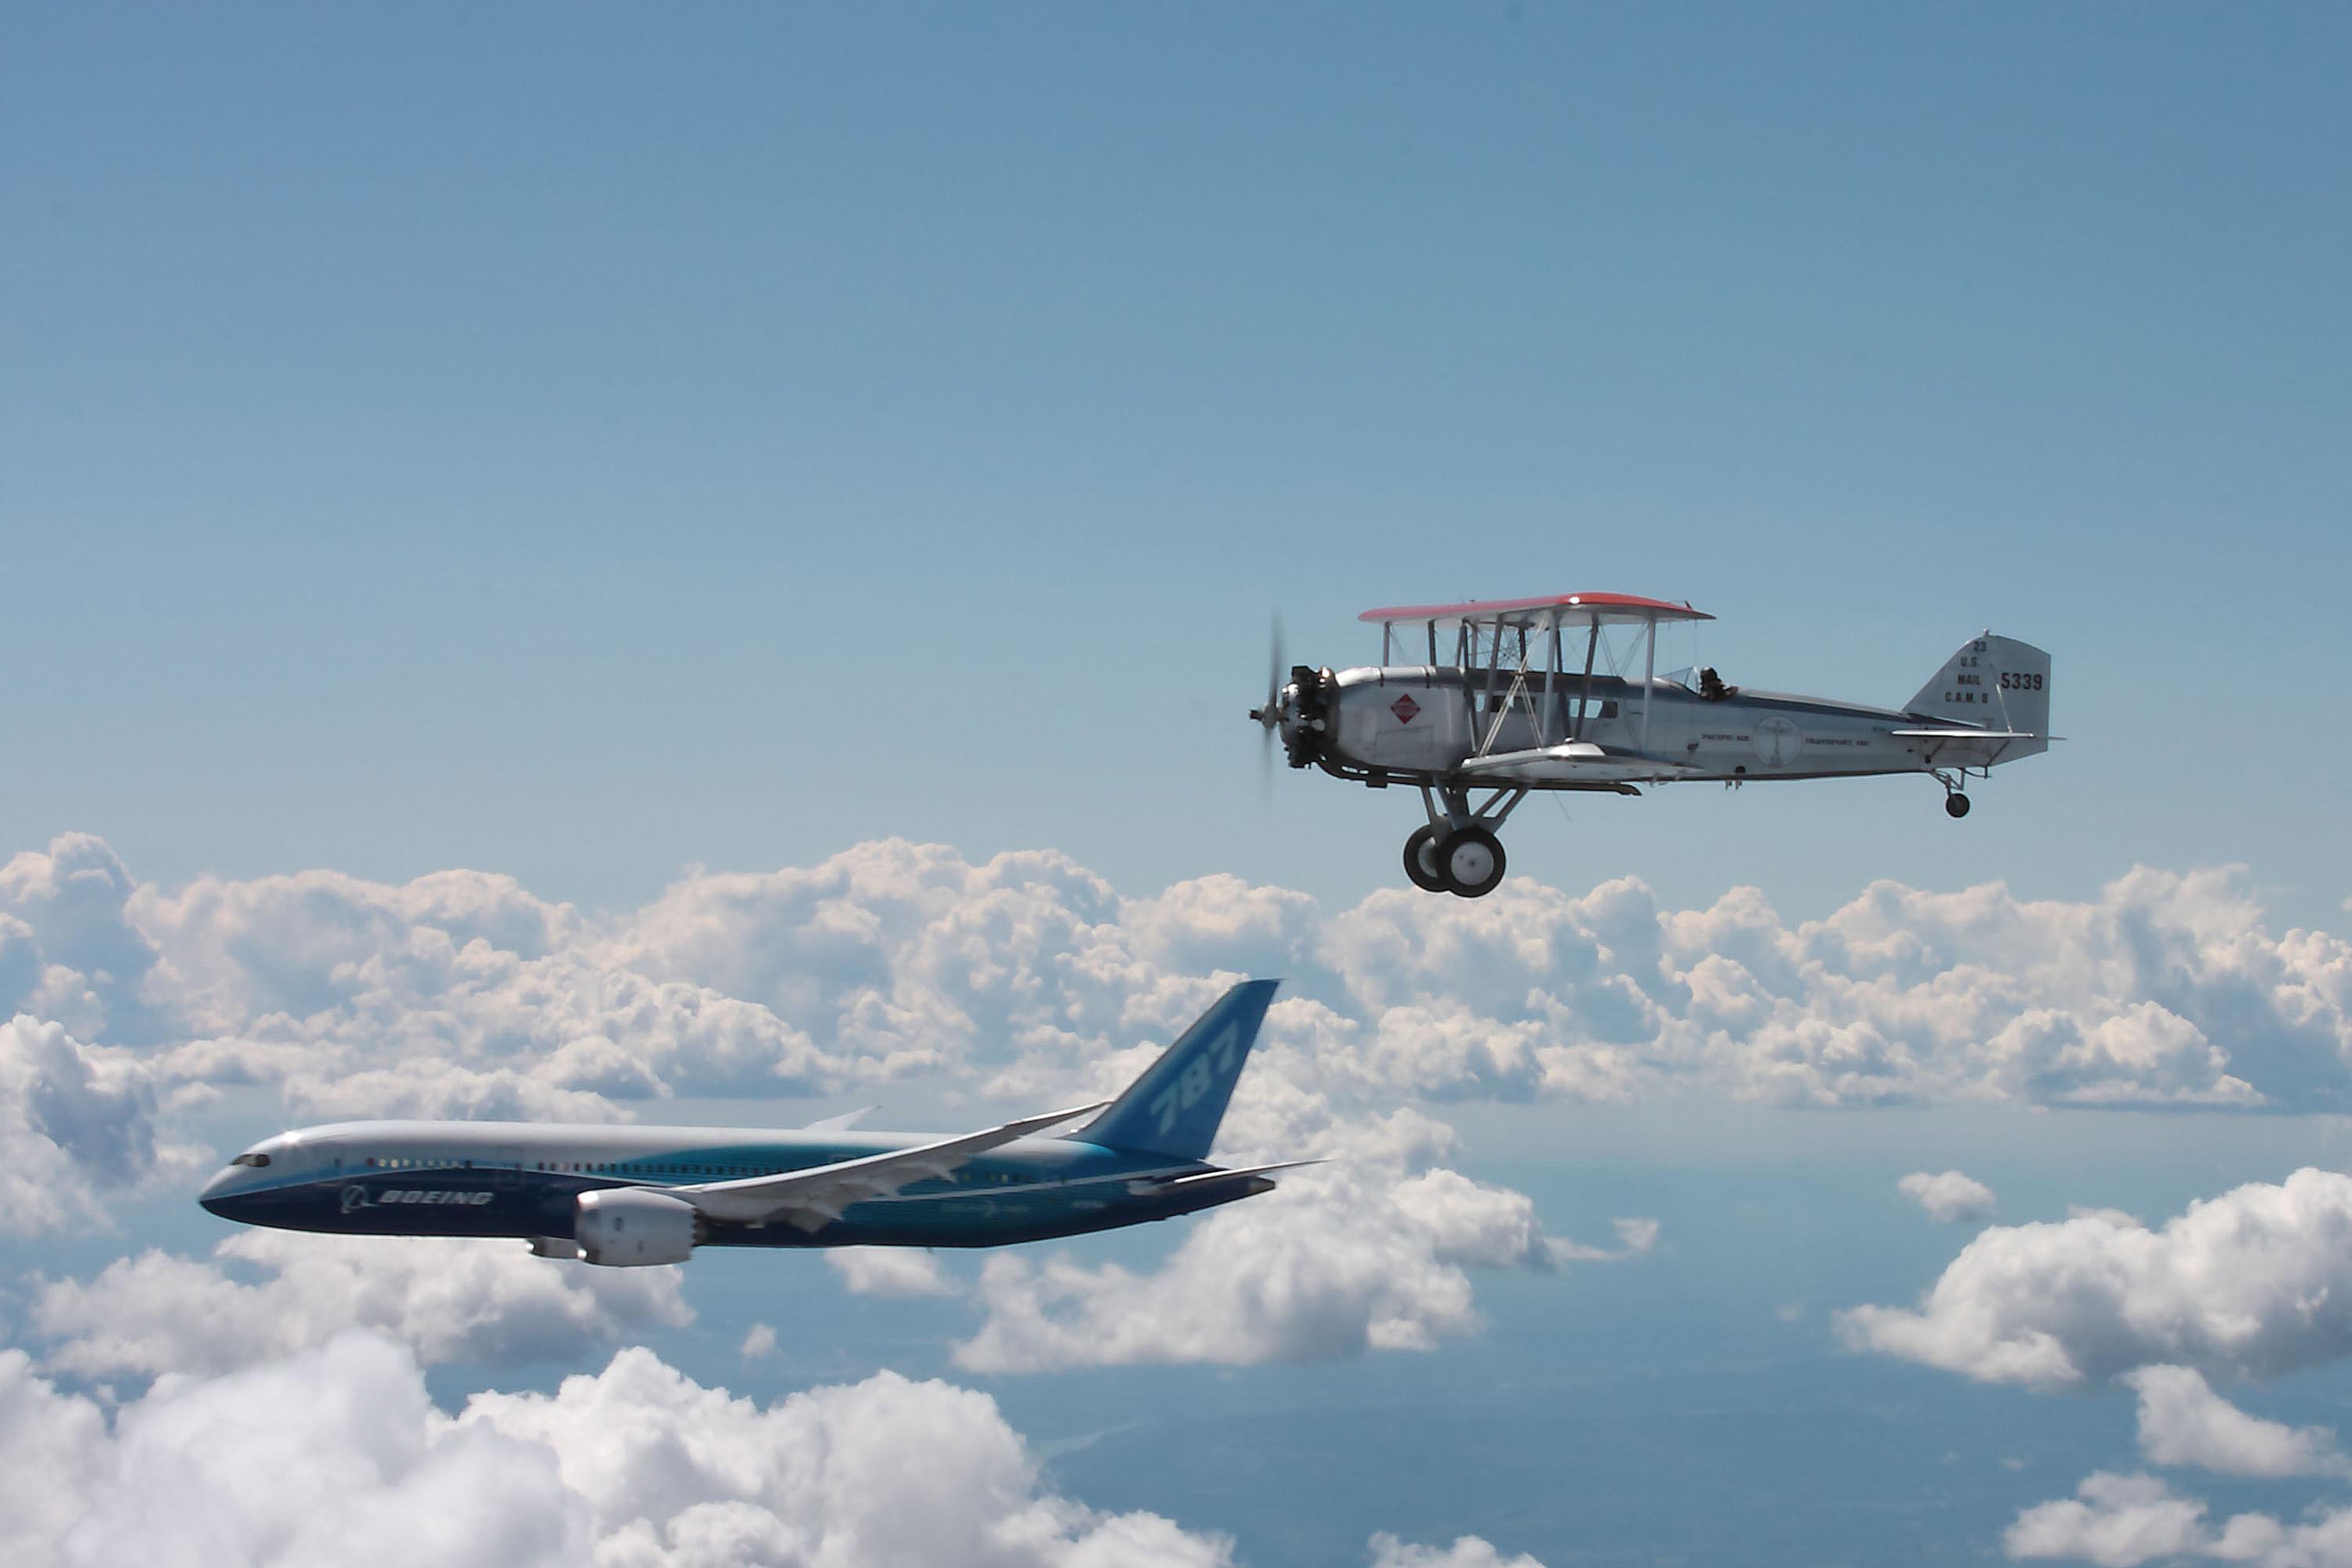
x,y
1421,861
1956,804
1472,860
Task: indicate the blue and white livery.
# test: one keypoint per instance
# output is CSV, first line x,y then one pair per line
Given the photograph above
x,y
632,1195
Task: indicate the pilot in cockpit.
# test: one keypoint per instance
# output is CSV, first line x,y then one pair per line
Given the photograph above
x,y
1711,686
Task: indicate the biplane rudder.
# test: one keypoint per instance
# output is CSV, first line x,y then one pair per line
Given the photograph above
x,y
1997,682
1174,1107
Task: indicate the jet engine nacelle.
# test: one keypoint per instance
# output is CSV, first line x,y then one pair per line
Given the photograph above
x,y
627,1228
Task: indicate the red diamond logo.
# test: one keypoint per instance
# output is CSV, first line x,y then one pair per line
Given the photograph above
x,y
1404,708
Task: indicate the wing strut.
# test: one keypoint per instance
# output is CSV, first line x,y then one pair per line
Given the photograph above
x,y
1649,683
1584,695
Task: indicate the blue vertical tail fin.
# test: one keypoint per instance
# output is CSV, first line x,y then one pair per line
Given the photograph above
x,y
1174,1107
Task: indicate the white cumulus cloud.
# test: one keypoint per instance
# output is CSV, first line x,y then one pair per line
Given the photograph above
x,y
51,1444
1467,1551
336,1455
2253,1282
2183,1422
69,950
2121,1521
462,991
890,1271
447,1300
2117,1521
671,1468
332,1456
1368,1253
77,1123
1951,1198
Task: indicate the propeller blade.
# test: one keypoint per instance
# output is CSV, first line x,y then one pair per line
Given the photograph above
x,y
1269,716
1273,664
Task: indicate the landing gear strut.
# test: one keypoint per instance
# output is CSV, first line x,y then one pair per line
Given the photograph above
x,y
1457,851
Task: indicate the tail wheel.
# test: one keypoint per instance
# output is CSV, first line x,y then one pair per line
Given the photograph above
x,y
1472,861
1421,861
1956,804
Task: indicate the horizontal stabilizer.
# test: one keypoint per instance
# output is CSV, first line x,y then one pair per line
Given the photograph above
x,y
1208,1178
1965,735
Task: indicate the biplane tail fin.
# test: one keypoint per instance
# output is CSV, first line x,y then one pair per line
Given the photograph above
x,y
1174,1107
1992,683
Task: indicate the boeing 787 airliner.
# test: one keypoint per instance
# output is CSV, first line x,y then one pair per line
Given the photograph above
x,y
630,1196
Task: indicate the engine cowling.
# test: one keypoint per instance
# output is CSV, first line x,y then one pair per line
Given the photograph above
x,y
627,1227
1305,732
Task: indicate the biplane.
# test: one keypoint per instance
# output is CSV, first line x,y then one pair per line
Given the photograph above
x,y
1507,697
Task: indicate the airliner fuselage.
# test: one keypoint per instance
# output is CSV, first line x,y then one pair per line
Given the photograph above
x,y
519,1179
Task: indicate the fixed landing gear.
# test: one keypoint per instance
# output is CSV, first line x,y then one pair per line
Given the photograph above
x,y
1956,804
1457,851
1467,861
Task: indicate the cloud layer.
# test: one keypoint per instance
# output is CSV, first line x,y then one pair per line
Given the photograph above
x,y
336,1455
462,993
445,1299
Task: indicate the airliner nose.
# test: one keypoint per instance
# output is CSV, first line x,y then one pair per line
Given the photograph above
x,y
215,1197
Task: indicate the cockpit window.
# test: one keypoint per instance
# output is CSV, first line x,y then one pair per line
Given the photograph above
x,y
255,1160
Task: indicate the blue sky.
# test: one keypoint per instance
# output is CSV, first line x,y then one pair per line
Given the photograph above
x,y
584,447
450,438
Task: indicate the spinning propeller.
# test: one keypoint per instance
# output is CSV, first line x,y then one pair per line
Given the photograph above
x,y
1269,718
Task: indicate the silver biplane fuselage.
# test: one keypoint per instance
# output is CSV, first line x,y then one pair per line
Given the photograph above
x,y
1533,699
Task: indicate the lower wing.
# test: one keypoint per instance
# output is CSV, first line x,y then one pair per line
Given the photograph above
x,y
1571,760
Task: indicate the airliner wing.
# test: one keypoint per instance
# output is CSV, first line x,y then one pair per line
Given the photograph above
x,y
815,1197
